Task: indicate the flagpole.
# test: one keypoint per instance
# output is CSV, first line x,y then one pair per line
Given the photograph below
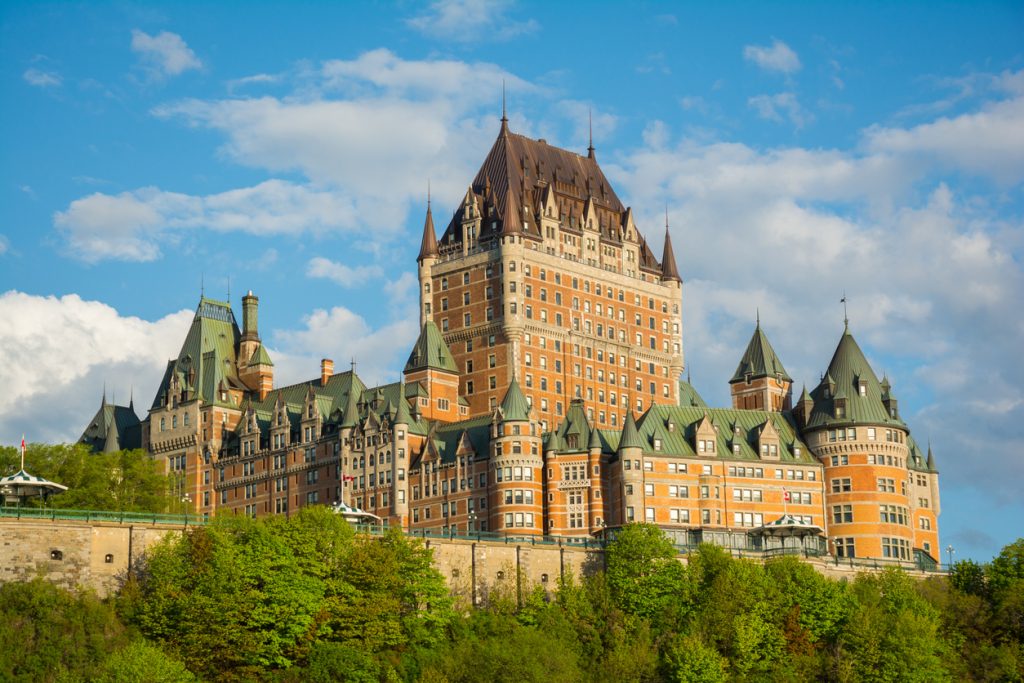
x,y
23,452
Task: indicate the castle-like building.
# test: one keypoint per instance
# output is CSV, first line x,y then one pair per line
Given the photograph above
x,y
544,396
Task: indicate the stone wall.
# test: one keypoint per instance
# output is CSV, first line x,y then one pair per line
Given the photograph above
x,y
97,555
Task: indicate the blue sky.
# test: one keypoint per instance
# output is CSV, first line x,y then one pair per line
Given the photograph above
x,y
803,150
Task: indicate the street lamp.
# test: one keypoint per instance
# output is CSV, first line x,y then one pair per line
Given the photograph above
x,y
950,550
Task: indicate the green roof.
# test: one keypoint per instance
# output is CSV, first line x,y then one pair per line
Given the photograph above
x,y
688,396
847,370
676,427
574,425
514,407
207,356
113,428
261,357
630,436
430,351
759,360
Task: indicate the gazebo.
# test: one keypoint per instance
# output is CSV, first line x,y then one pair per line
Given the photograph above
x,y
354,515
21,486
788,533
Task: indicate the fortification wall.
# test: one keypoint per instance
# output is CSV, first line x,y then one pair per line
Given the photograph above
x,y
97,555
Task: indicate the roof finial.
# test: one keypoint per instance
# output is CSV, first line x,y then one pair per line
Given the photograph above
x,y
428,194
846,318
353,365
104,392
758,309
590,124
202,285
131,396
504,116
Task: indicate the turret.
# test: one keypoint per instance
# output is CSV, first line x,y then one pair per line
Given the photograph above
x,y
425,262
255,368
760,381
517,496
431,364
630,455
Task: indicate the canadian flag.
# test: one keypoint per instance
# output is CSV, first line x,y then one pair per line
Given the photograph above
x,y
346,477
785,495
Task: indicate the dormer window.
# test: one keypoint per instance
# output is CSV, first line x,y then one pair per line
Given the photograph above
x,y
657,444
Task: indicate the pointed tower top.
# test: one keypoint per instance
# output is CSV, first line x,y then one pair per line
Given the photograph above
x,y
760,359
515,407
131,397
504,116
630,435
351,415
428,245
595,439
846,317
758,318
668,257
431,351
104,401
590,124
402,414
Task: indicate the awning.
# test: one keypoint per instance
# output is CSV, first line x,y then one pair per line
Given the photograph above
x,y
787,526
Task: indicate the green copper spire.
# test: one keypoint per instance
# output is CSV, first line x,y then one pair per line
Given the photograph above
x,y
514,407
350,418
402,416
759,360
630,435
430,351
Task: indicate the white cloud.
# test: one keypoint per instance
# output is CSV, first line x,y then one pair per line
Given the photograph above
x,y
374,128
470,21
165,53
42,79
776,57
132,226
346,276
987,142
933,270
3,245
342,334
773,107
59,352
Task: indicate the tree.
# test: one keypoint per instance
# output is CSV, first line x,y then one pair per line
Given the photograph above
x,y
690,660
49,632
644,575
142,661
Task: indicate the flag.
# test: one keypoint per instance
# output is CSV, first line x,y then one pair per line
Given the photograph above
x,y
785,495
346,477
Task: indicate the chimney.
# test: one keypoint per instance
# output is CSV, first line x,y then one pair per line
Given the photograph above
x,y
326,370
250,306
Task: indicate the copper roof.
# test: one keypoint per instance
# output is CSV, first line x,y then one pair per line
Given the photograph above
x,y
518,177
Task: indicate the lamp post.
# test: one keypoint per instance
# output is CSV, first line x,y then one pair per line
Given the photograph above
x,y
949,551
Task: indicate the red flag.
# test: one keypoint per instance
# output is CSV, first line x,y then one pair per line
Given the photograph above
x,y
785,495
22,451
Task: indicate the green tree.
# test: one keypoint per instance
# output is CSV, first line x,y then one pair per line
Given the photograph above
x,y
644,575
142,661
691,660
49,633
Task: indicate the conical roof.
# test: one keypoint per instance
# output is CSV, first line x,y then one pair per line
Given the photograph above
x,y
514,407
350,418
428,245
759,360
630,435
402,416
111,444
847,369
430,351
260,357
668,260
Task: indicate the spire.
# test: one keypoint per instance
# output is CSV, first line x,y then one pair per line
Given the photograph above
x,y
351,415
760,359
111,444
595,439
514,407
668,257
428,245
846,317
630,435
431,351
402,416
131,398
804,396
504,117
931,458
590,122
104,401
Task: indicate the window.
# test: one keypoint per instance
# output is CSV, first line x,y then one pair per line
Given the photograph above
x,y
842,514
896,548
844,547
842,485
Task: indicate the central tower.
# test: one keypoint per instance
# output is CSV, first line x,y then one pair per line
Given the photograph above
x,y
542,276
